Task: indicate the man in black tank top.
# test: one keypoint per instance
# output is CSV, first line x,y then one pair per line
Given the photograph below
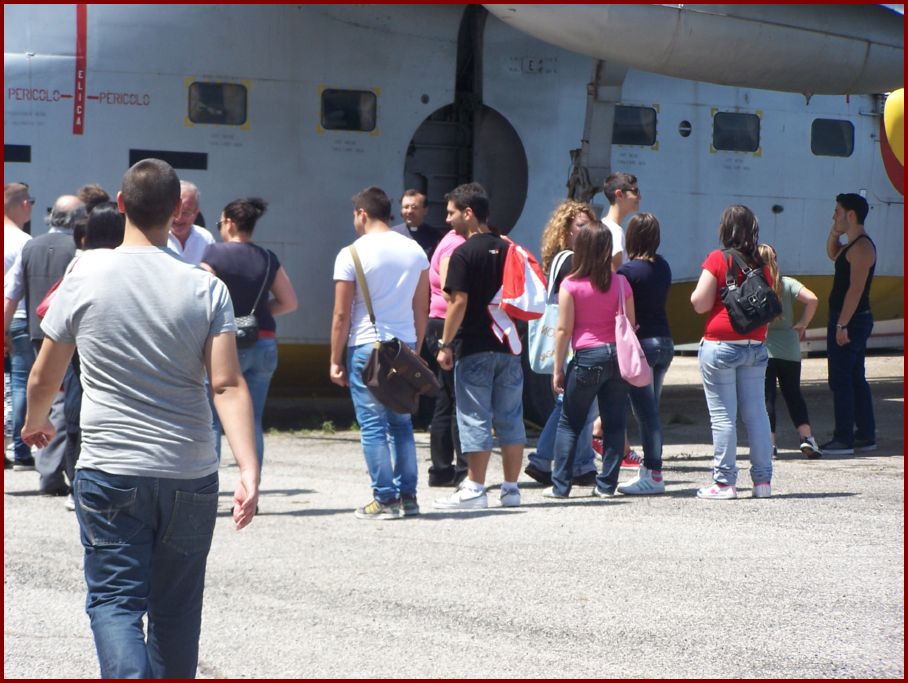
x,y
850,323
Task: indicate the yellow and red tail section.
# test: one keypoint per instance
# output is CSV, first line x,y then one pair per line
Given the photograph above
x,y
892,138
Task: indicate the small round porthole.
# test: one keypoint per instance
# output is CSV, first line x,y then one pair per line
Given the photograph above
x,y
684,129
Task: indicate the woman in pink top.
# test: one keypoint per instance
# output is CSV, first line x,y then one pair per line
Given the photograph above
x,y
587,305
444,439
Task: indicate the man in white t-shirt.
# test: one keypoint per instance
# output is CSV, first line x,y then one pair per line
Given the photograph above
x,y
623,197
397,274
187,239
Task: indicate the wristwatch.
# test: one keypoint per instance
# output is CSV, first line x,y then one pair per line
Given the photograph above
x,y
839,326
442,345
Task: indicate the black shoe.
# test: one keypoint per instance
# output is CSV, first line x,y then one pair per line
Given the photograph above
x,y
836,447
24,465
585,479
537,474
62,491
864,445
437,480
458,478
7,463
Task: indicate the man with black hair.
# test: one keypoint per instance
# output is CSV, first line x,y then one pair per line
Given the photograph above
x,y
149,328
850,324
396,273
623,195
488,377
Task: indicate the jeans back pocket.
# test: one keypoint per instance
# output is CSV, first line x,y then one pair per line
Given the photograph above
x,y
192,522
588,376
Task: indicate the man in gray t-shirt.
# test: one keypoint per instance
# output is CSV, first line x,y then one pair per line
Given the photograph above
x,y
148,327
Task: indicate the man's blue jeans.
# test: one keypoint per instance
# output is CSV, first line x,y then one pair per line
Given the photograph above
x,y
645,400
851,398
734,376
386,436
257,363
22,361
593,373
146,545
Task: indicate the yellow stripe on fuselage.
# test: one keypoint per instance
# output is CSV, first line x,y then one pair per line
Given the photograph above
x,y
303,368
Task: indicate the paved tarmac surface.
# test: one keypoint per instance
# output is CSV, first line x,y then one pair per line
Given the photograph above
x,y
806,584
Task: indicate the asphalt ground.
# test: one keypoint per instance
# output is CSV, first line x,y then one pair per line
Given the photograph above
x,y
809,583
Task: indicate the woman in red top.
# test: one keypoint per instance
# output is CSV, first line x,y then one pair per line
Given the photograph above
x,y
733,365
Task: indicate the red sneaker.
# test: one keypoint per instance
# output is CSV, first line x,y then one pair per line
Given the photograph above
x,y
631,459
597,444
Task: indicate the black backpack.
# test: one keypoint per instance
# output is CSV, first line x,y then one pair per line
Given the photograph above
x,y
752,303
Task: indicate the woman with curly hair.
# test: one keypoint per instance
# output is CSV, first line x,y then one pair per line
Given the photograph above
x,y
563,226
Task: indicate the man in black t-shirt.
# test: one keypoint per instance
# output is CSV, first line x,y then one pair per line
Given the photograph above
x,y
488,378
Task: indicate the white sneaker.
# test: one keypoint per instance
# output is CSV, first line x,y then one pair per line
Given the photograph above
x,y
642,484
717,492
602,493
510,498
465,499
550,493
763,490
70,503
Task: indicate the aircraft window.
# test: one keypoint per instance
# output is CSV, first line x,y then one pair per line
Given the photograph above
x,y
348,110
222,103
634,126
736,132
832,138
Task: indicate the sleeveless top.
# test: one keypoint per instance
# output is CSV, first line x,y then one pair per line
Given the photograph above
x,y
842,279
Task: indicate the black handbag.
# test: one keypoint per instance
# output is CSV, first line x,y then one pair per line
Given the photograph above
x,y
247,326
752,303
394,373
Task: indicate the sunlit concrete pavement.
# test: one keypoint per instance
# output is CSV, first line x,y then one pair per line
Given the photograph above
x,y
806,584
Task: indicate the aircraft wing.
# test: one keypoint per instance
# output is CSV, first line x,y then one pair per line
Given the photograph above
x,y
811,49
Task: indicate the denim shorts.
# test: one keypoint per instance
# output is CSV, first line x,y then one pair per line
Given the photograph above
x,y
488,389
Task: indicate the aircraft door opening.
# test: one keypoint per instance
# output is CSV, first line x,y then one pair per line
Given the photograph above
x,y
446,151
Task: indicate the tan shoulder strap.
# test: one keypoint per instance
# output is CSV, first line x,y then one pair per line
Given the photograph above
x,y
363,285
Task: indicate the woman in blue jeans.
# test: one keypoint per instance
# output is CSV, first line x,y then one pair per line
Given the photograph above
x,y
733,365
587,306
650,277
259,286
558,236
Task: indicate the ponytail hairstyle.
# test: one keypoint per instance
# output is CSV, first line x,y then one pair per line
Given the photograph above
x,y
245,213
593,255
768,254
738,229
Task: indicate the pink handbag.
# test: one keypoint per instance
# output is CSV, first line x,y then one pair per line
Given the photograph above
x,y
631,359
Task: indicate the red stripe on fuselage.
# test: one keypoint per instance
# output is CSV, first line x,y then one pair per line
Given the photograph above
x,y
79,97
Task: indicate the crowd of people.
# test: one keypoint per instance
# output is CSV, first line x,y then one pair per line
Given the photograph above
x,y
593,265
163,339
